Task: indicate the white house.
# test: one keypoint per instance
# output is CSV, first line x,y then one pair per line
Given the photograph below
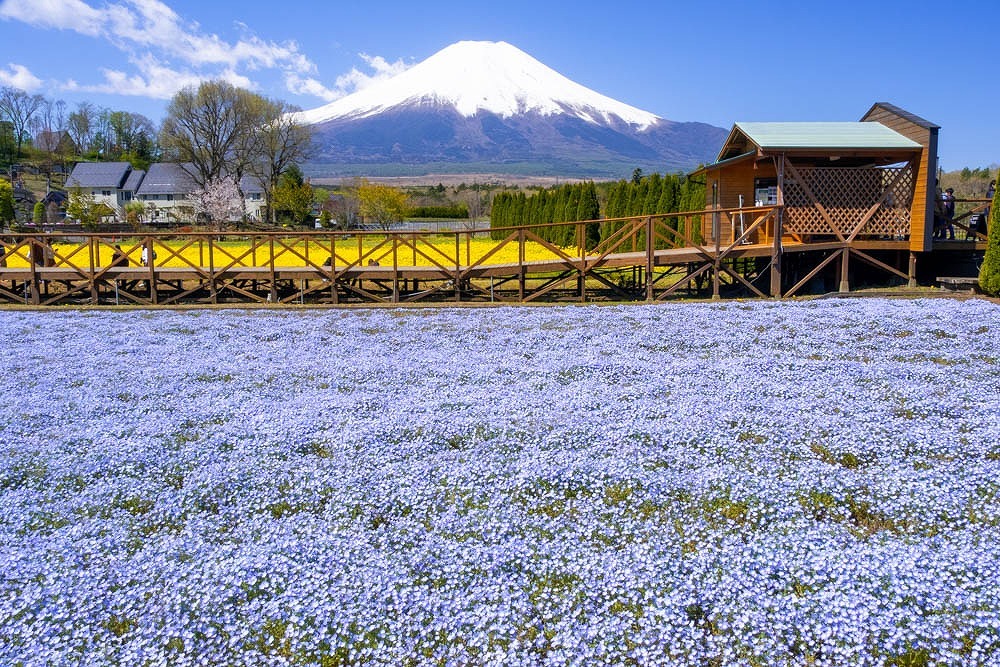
x,y
167,186
111,183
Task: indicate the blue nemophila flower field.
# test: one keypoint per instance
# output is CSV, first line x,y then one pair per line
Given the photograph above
x,y
712,484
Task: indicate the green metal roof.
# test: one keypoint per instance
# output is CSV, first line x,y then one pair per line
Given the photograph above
x,y
857,135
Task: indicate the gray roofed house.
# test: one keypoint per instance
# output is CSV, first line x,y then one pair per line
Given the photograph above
x,y
167,178
165,190
167,187
133,181
99,175
111,183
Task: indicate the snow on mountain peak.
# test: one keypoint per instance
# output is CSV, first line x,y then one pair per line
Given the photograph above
x,y
494,77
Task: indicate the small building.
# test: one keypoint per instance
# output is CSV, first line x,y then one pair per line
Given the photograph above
x,y
253,197
164,192
873,178
830,191
110,183
167,188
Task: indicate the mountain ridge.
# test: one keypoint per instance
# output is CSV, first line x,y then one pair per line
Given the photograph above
x,y
489,102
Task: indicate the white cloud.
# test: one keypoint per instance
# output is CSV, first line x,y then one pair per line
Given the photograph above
x,y
382,69
154,79
18,76
310,86
152,28
58,14
168,53
346,84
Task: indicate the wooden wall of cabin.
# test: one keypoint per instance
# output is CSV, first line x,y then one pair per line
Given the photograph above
x,y
734,180
924,192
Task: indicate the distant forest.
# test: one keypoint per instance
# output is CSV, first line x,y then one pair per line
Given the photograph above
x,y
642,195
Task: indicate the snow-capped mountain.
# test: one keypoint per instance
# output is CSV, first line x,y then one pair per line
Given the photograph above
x,y
488,105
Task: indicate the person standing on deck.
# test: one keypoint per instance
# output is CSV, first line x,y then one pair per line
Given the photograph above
x,y
948,208
990,191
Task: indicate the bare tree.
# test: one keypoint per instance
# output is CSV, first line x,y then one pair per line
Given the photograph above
x,y
212,127
81,124
282,142
19,108
103,134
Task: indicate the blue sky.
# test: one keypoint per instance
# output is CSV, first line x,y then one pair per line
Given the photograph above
x,y
717,62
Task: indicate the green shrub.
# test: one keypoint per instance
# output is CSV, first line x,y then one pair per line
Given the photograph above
x,y
989,274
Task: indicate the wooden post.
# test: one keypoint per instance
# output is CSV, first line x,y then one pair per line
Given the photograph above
x,y
273,296
717,262
777,255
211,270
333,270
913,270
395,269
845,285
650,249
151,269
520,264
778,252
91,241
458,266
35,294
581,243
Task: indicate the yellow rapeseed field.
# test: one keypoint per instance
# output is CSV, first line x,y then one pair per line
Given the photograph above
x,y
428,250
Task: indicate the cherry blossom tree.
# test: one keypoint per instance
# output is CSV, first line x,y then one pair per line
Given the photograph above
x,y
219,200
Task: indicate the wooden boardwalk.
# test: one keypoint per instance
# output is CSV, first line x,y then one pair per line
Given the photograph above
x,y
646,258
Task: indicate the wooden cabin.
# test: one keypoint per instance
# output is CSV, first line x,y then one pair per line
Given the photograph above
x,y
841,182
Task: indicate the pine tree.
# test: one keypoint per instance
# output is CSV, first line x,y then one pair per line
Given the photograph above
x,y
989,274
590,209
655,183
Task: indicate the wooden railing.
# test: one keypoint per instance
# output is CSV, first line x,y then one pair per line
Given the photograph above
x,y
644,257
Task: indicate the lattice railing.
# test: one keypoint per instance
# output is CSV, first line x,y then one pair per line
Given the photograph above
x,y
847,194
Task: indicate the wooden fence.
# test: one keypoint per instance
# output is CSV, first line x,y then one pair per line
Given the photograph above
x,y
639,258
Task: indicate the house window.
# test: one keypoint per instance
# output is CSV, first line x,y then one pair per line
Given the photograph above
x,y
105,193
170,197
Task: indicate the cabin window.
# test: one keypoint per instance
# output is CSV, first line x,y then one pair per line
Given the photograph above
x,y
765,191
105,193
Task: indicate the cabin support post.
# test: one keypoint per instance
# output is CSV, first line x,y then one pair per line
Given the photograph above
x,y
776,257
912,282
715,260
845,284
779,220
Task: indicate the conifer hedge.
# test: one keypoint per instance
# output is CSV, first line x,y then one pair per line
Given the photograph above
x,y
647,195
989,274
